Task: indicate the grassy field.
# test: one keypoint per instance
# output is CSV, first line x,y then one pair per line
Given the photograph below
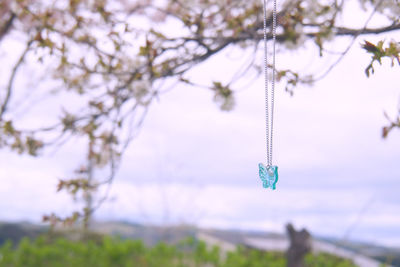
x,y
108,251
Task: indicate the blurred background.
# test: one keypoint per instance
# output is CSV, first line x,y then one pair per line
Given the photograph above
x,y
111,99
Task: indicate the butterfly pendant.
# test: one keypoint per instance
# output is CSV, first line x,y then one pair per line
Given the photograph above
x,y
268,175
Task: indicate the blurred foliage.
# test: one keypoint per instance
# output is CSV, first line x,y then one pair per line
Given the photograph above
x,y
117,252
378,53
392,51
117,57
326,260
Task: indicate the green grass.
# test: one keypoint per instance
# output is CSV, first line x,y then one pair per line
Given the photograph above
x,y
116,252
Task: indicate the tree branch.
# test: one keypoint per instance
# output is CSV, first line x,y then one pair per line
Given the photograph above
x,y
7,26
9,88
355,36
353,32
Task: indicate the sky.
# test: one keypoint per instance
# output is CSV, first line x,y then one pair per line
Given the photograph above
x,y
194,164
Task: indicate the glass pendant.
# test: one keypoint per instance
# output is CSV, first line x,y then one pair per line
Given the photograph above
x,y
268,175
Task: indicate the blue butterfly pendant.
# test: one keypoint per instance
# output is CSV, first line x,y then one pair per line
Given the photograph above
x,y
268,175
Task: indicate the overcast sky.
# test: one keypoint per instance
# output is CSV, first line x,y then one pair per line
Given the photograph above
x,y
194,164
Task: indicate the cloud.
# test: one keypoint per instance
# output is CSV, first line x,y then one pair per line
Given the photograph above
x,y
253,208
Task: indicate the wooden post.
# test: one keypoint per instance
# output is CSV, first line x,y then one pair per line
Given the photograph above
x,y
300,245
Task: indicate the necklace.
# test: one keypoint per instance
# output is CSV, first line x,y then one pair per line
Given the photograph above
x,y
269,172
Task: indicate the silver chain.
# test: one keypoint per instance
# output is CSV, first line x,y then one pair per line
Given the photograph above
x,y
269,111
